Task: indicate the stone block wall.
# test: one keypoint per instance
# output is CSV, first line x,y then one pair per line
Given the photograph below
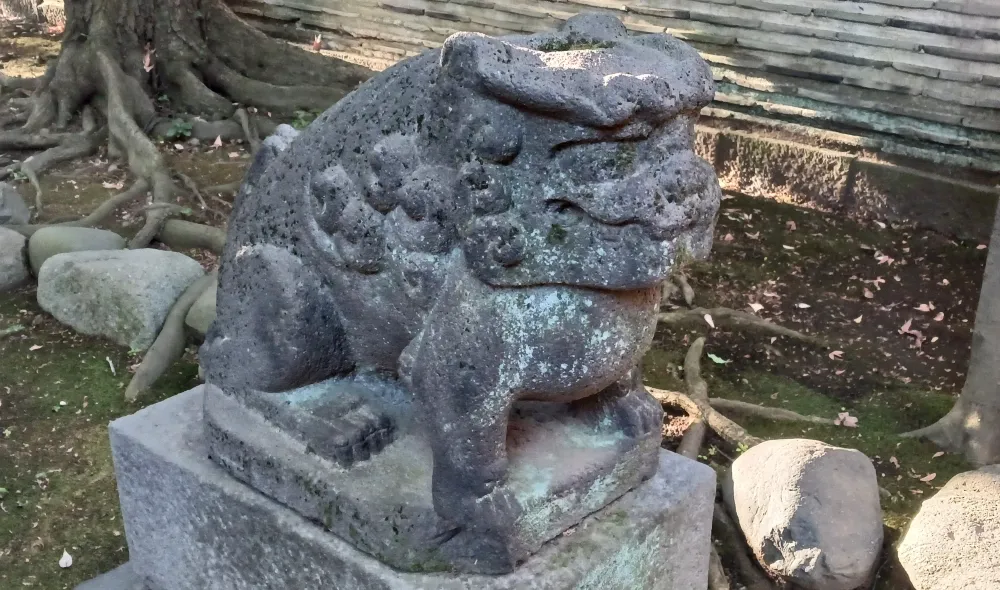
x,y
911,78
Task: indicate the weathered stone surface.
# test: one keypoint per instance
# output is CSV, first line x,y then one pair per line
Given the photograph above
x,y
13,211
810,512
901,194
13,260
199,319
190,526
481,226
120,578
123,295
49,241
952,542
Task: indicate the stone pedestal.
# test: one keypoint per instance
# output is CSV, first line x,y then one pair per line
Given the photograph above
x,y
192,526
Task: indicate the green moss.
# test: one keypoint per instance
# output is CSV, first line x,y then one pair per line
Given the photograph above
x,y
574,43
54,421
557,234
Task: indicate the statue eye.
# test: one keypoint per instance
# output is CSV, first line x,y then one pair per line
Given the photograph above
x,y
498,144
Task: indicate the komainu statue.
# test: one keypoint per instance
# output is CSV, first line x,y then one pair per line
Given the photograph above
x,y
434,301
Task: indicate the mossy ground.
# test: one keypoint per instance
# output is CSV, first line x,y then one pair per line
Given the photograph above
x,y
881,378
57,394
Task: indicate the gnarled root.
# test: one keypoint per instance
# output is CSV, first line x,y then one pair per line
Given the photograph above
x,y
736,320
697,392
184,235
169,344
776,414
96,217
730,431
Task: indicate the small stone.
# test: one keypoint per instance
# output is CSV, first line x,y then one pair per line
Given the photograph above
x,y
49,241
952,542
13,211
809,511
123,295
13,262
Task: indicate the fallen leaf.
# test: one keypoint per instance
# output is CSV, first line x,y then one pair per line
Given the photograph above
x,y
178,146
802,305
114,185
709,321
981,247
939,317
790,225
112,365
923,307
317,43
938,454
756,307
835,355
894,461
35,347
846,419
880,224
857,320
234,154
869,294
218,142
718,360
945,282
928,478
753,236
787,247
905,329
147,59
66,560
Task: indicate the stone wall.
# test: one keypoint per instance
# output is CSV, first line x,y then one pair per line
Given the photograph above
x,y
910,78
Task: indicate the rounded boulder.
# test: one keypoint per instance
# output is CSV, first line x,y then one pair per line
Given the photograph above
x,y
123,295
954,541
809,511
49,241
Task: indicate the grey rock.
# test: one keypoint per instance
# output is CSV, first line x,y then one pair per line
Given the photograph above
x,y
49,241
952,542
481,226
13,211
120,578
123,295
190,526
201,315
810,512
13,261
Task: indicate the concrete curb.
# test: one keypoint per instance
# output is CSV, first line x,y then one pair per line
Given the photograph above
x,y
843,183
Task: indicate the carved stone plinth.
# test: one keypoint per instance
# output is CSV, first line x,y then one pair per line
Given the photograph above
x,y
192,526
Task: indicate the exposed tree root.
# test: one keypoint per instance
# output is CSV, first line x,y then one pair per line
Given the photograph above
x,y
682,283
697,392
11,330
737,320
717,579
729,533
192,187
222,189
184,235
730,431
169,344
249,130
776,414
96,217
71,148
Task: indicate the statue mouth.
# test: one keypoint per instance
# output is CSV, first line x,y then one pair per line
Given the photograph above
x,y
568,215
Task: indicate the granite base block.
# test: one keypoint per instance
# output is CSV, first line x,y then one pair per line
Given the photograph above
x,y
192,526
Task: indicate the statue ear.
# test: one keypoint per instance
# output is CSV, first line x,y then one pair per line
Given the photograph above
x,y
466,57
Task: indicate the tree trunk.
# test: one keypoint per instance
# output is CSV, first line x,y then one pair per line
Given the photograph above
x,y
117,55
973,425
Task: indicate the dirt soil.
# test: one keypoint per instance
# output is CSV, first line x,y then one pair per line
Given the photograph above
x,y
855,284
